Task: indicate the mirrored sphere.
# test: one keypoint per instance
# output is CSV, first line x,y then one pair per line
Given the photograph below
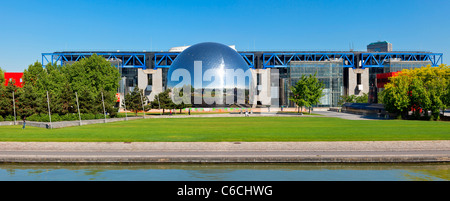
x,y
211,70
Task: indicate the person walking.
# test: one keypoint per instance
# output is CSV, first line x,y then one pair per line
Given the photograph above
x,y
24,122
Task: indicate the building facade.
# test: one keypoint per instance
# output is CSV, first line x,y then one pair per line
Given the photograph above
x,y
272,72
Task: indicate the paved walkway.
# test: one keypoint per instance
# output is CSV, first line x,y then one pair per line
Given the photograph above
x,y
349,116
342,115
223,152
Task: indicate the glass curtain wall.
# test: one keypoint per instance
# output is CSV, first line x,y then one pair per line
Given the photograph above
x,y
400,65
129,80
329,72
393,66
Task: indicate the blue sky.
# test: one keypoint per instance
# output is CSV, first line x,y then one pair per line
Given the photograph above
x,y
29,28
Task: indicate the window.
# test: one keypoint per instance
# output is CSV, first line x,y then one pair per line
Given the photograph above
x,y
358,78
258,79
150,79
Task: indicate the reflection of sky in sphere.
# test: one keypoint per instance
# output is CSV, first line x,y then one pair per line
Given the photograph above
x,y
220,65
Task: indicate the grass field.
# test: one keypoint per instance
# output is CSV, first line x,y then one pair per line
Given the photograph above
x,y
236,129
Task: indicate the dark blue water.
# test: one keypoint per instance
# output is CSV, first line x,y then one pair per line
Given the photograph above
x,y
226,172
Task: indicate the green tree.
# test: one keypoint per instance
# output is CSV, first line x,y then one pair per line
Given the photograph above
x,y
37,82
396,96
163,101
307,91
32,74
2,77
6,101
182,100
3,96
28,101
89,77
418,89
33,99
134,100
66,100
419,96
300,91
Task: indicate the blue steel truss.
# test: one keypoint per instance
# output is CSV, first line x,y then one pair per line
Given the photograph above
x,y
134,60
273,60
165,59
382,59
249,58
270,60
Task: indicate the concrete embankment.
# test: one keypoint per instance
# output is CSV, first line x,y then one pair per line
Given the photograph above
x,y
225,152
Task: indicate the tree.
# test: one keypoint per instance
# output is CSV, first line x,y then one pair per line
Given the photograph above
x,y
307,91
28,101
89,77
32,74
419,90
396,96
2,78
66,100
135,100
4,98
419,96
162,100
180,98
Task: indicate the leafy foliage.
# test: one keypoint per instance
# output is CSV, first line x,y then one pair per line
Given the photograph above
x,y
364,98
418,90
163,101
88,77
134,101
307,91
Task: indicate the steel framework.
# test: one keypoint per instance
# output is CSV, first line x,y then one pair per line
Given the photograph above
x,y
382,59
271,60
133,60
165,59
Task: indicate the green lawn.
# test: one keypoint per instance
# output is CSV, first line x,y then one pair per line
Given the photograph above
x,y
237,129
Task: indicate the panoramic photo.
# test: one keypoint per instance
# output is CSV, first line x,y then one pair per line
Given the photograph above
x,y
225,99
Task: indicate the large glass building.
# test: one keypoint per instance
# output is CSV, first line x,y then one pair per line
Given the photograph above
x,y
267,75
328,72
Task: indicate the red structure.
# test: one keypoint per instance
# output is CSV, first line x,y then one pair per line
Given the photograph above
x,y
383,78
15,77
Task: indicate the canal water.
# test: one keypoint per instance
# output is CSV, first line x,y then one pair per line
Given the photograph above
x,y
226,172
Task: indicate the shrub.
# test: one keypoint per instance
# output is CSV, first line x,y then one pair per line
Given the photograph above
x,y
87,116
69,117
100,116
1,118
9,118
34,117
57,117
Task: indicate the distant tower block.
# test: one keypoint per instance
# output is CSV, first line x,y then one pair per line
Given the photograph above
x,y
380,46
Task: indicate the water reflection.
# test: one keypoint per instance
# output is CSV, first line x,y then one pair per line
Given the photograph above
x,y
226,172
